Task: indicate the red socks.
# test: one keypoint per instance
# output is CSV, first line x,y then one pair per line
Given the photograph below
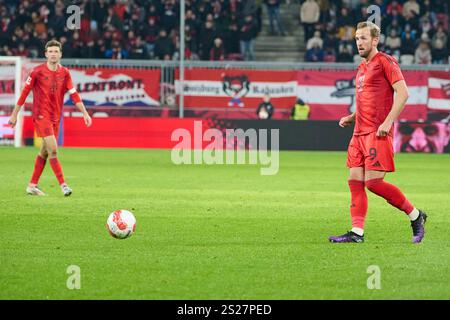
x,y
358,207
391,193
39,165
56,166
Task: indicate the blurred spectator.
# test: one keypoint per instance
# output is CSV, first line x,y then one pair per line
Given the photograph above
x,y
191,44
412,33
394,6
265,108
300,111
411,6
169,19
192,21
411,20
150,31
395,16
439,35
439,52
394,26
232,45
329,55
345,54
217,52
315,54
309,16
206,40
345,19
423,54
57,22
273,9
21,51
325,14
426,26
164,47
248,32
408,44
346,33
316,40
138,49
393,44
112,20
116,52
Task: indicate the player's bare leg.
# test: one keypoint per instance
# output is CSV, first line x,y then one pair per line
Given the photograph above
x,y
358,208
52,150
393,195
41,159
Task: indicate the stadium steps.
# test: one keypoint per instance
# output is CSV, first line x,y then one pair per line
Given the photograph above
x,y
277,48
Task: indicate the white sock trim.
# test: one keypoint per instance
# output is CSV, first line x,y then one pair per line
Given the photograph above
x,y
413,215
358,231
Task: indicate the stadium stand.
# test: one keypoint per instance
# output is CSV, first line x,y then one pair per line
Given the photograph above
x,y
148,29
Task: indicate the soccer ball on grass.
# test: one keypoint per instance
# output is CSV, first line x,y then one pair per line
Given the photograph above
x,y
121,224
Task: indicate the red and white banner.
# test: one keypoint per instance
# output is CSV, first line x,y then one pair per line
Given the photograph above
x,y
111,87
439,90
331,94
238,88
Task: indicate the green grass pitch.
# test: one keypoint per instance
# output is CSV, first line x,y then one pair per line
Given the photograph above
x,y
217,232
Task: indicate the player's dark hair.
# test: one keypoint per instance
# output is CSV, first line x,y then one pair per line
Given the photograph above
x,y
374,29
53,43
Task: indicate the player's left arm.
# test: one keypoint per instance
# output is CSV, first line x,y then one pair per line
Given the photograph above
x,y
394,76
400,99
75,97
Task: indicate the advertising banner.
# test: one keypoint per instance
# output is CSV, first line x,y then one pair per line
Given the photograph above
x,y
439,91
112,87
238,88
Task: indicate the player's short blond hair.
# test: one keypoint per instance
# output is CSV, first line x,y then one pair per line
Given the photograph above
x,y
53,43
374,29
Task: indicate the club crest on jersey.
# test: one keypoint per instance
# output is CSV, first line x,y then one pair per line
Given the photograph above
x,y
344,89
236,87
360,83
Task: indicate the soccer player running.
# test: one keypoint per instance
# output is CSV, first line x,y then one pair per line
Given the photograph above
x,y
49,82
370,152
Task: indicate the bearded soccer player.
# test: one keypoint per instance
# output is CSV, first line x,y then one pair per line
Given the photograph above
x,y
370,152
49,82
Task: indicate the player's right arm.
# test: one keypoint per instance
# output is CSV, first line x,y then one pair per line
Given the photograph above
x,y
29,84
347,120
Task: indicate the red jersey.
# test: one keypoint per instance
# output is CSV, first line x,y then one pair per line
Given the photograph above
x,y
374,92
49,88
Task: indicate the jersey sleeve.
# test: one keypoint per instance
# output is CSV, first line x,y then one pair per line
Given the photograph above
x,y
392,70
29,84
72,91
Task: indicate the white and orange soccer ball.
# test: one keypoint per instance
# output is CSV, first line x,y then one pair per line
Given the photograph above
x,y
121,224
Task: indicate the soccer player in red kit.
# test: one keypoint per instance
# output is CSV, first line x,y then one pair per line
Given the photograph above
x,y
49,82
370,152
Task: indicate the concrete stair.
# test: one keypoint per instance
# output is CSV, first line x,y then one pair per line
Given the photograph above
x,y
289,48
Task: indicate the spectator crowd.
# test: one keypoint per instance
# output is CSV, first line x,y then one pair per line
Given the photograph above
x,y
413,31
135,29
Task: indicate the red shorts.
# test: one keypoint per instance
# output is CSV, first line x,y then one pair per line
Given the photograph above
x,y
371,152
45,128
